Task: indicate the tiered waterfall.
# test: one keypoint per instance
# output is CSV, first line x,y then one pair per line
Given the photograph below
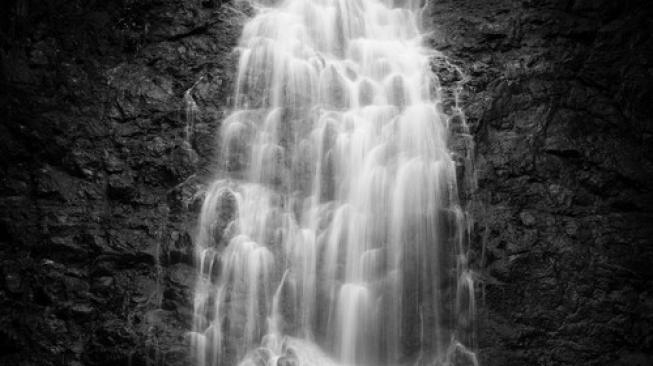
x,y
332,233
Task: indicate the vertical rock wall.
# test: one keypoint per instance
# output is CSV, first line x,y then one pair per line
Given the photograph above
x,y
99,165
560,103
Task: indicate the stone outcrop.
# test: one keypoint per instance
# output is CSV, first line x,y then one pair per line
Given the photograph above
x,y
108,112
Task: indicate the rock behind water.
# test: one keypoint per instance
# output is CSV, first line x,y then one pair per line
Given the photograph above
x,y
99,174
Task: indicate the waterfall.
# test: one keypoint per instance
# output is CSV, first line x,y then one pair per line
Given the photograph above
x,y
332,233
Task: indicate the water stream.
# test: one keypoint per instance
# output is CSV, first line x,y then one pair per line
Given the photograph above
x,y
333,232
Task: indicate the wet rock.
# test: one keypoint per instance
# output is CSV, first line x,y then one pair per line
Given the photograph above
x,y
82,310
559,196
113,164
146,289
121,186
140,91
634,359
460,356
182,275
51,182
180,249
93,140
226,213
527,218
549,175
287,361
102,284
178,293
12,282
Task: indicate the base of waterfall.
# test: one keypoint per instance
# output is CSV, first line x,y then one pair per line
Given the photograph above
x,y
280,350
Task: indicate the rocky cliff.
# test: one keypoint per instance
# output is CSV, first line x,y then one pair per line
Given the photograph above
x,y
109,111
101,155
559,101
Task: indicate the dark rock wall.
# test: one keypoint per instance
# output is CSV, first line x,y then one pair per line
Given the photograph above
x,y
100,169
560,102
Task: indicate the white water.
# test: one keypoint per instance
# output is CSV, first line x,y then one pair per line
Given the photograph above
x,y
333,233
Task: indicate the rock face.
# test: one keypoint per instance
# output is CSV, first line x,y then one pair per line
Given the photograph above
x,y
107,118
108,115
559,101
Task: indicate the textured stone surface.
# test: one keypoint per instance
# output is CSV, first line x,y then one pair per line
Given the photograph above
x,y
559,101
100,167
99,164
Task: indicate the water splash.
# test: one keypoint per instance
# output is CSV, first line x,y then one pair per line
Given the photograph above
x,y
333,234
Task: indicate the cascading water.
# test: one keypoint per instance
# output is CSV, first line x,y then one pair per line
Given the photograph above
x,y
333,233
